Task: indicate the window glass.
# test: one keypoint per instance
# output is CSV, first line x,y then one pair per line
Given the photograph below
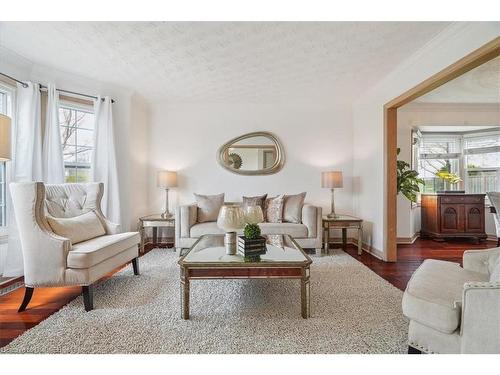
x,y
77,139
474,157
5,104
437,153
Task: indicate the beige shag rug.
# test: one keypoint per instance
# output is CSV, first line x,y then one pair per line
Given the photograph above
x,y
353,311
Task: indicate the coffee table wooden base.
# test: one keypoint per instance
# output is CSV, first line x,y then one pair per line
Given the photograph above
x,y
206,273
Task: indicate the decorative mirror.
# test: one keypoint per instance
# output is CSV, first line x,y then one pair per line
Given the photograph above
x,y
257,153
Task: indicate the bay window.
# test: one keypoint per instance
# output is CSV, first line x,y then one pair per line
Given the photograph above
x,y
472,156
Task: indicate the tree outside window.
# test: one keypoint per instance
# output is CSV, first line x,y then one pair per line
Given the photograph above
x,y
77,139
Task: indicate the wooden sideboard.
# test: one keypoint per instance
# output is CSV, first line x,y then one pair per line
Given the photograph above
x,y
453,215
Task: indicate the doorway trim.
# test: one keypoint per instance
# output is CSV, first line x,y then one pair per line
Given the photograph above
x,y
478,57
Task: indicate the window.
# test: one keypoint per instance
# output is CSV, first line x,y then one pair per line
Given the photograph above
x,y
482,160
437,153
473,156
5,109
77,138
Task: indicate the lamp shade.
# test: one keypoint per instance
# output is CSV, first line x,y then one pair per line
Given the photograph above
x,y
254,214
166,179
231,217
5,149
332,179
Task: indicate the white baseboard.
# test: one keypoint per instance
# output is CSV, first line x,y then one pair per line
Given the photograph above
x,y
407,240
366,247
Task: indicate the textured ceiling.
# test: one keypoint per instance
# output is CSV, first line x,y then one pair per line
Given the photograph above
x,y
211,61
480,85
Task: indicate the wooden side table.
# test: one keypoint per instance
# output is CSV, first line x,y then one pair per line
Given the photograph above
x,y
343,222
154,222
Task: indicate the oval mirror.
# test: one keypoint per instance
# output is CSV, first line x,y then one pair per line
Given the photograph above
x,y
255,153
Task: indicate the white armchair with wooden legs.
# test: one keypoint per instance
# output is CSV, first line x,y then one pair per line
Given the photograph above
x,y
455,309
87,245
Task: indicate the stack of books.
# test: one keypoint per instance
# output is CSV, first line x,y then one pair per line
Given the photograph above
x,y
251,248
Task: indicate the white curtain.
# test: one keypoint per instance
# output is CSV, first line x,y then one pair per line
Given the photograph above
x,y
52,154
26,163
104,158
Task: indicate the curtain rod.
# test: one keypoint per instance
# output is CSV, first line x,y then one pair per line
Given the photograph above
x,y
13,79
42,87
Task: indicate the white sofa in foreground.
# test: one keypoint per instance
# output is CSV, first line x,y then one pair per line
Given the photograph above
x,y
454,309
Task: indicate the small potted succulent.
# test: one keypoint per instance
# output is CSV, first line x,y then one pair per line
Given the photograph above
x,y
251,244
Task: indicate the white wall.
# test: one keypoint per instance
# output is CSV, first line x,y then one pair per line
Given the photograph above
x,y
414,115
368,163
316,137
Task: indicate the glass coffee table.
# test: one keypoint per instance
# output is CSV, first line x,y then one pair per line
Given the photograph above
x,y
207,259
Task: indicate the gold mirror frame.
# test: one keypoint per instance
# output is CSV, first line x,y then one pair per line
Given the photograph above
x,y
276,167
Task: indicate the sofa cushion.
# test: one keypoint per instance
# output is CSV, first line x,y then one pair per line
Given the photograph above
x,y
89,253
258,200
78,228
292,229
292,208
273,212
200,229
208,206
433,291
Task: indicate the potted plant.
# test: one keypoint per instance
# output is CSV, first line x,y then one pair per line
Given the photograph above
x,y
251,243
408,180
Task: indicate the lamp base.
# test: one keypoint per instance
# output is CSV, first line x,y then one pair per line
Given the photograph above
x,y
332,215
230,243
167,215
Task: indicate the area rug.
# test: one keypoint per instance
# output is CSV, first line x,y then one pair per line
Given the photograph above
x,y
353,311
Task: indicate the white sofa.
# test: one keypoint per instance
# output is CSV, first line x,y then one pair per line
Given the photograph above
x,y
308,233
51,260
454,309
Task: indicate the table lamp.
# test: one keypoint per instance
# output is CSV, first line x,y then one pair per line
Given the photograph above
x,y
5,149
332,180
166,180
231,218
254,214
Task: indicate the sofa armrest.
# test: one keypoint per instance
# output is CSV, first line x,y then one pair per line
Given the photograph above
x,y
482,261
109,226
311,218
186,217
480,310
44,252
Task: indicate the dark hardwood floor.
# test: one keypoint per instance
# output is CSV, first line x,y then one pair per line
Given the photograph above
x,y
411,256
47,301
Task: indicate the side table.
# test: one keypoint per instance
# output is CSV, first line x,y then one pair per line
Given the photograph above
x,y
343,222
154,222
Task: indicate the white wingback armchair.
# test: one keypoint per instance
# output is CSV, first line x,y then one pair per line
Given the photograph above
x,y
454,309
52,260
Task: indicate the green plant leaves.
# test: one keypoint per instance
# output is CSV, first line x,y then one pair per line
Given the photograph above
x,y
407,180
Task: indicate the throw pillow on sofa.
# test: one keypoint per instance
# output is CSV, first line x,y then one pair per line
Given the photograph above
x,y
78,228
259,200
208,206
292,208
274,209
